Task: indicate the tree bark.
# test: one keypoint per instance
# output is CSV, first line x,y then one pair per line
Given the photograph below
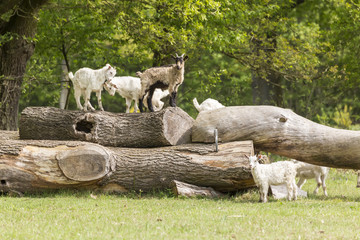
x,y
282,132
35,166
170,126
14,54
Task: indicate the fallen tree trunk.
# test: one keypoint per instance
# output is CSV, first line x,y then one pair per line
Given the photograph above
x,y
33,166
282,132
170,126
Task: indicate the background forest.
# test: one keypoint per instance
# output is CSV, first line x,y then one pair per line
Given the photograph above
x,y
301,55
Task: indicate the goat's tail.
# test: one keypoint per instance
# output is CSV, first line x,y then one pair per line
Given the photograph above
x,y
138,74
196,104
71,75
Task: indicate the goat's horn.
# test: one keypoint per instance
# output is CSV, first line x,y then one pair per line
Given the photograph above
x,y
183,55
177,55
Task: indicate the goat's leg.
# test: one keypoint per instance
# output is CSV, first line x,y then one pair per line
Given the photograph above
x,y
301,182
323,177
87,100
141,104
77,94
98,95
264,192
318,181
149,99
136,105
358,179
128,104
295,193
173,99
290,190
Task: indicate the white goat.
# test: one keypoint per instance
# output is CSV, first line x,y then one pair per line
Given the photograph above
x,y
308,171
129,88
166,77
87,80
156,99
207,105
274,174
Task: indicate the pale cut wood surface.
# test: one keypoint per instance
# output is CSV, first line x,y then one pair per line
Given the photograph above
x,y
281,131
170,126
189,190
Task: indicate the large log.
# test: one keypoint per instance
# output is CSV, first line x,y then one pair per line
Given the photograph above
x,y
281,131
33,166
170,126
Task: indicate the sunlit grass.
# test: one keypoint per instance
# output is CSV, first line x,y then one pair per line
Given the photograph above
x,y
70,215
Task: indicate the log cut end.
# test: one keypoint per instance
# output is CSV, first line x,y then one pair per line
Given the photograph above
x,y
86,163
177,126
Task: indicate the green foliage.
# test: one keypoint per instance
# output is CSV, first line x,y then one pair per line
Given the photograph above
x,y
340,118
306,53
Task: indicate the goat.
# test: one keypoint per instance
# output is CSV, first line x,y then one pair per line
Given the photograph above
x,y
129,88
156,99
308,171
358,179
87,80
274,174
166,77
207,105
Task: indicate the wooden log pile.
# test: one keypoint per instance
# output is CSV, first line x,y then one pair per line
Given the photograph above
x,y
161,155
111,152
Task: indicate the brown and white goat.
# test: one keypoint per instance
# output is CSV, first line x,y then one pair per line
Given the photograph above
x,y
168,77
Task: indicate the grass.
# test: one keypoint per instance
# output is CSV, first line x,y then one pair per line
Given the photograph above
x,y
80,215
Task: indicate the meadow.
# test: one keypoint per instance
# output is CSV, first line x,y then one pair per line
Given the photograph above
x,y
160,215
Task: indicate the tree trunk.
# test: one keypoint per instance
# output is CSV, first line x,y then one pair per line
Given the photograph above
x,y
33,166
65,86
170,126
14,54
282,132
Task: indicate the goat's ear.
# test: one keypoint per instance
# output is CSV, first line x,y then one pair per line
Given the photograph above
x,y
186,58
173,57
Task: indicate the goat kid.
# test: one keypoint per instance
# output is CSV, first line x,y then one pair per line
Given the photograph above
x,y
129,88
168,77
276,173
87,80
309,171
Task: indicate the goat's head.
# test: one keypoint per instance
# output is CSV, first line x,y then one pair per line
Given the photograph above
x,y
110,72
180,60
110,87
253,161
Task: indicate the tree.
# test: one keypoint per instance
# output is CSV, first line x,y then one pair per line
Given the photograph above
x,y
17,27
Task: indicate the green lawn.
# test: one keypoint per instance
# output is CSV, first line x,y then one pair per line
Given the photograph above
x,y
72,215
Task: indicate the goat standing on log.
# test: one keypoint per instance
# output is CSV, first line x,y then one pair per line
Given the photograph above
x,y
166,77
87,80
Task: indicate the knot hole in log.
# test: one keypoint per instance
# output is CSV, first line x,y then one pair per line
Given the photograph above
x,y
84,126
283,119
